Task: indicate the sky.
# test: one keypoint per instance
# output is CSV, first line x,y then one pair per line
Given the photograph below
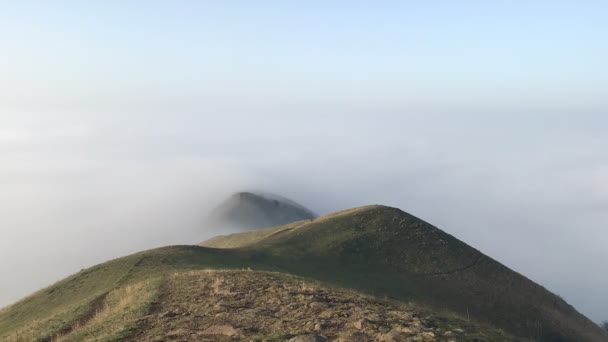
x,y
122,124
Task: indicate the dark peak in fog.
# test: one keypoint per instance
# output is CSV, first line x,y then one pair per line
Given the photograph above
x,y
253,210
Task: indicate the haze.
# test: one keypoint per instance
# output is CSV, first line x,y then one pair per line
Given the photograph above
x,y
121,126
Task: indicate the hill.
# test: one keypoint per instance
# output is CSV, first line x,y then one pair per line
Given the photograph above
x,y
385,250
186,293
247,211
370,273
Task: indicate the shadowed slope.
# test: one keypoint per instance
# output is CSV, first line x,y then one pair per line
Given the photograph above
x,y
171,293
385,250
247,211
57,308
183,304
379,250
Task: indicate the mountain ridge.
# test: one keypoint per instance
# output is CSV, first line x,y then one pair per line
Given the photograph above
x,y
429,267
248,210
374,250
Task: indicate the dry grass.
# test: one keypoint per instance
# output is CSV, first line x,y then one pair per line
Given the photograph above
x,y
239,240
216,286
271,306
377,250
38,327
121,309
58,306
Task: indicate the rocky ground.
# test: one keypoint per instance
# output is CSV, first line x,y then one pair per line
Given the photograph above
x,y
263,306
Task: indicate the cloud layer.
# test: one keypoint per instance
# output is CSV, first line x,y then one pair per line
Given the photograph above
x,y
529,190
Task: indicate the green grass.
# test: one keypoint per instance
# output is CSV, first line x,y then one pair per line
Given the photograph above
x,y
238,240
381,251
385,251
59,306
118,315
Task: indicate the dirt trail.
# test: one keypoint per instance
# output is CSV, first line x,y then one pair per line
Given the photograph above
x,y
154,310
266,306
95,306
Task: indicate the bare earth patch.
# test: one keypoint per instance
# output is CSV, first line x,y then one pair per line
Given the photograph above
x,y
263,306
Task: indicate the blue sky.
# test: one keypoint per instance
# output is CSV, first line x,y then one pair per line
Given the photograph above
x,y
535,55
130,119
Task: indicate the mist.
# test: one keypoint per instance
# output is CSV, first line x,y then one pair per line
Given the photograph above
x,y
79,190
122,126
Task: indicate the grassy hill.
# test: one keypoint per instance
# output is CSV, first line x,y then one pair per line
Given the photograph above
x,y
418,281
387,251
56,309
182,293
245,211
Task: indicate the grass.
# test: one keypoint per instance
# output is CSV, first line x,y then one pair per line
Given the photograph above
x,y
241,240
385,251
58,307
378,250
118,316
271,306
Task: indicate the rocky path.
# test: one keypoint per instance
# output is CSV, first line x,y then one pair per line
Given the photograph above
x,y
262,306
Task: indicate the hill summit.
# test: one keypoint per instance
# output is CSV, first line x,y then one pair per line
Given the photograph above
x,y
253,210
383,250
373,273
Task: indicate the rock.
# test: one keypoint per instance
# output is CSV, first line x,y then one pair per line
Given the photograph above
x,y
223,330
373,317
415,322
353,336
458,330
308,338
428,336
389,337
405,330
401,314
317,305
168,314
176,333
326,314
146,317
360,324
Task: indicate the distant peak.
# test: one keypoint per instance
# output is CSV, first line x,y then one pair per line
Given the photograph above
x,y
247,210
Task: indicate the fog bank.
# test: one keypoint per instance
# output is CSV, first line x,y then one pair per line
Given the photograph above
x,y
528,190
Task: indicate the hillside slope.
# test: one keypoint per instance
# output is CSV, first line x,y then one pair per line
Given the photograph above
x,y
161,294
262,306
186,293
245,211
385,250
57,309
